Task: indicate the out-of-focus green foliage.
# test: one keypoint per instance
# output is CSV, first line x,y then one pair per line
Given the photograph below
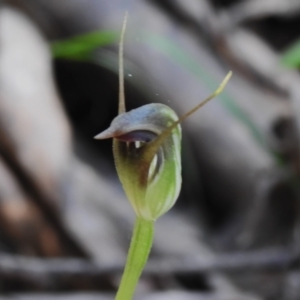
x,y
291,57
180,56
80,47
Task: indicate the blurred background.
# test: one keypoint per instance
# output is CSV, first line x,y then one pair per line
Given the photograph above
x,y
65,224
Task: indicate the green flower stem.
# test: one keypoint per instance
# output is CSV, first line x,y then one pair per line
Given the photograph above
x,y
139,250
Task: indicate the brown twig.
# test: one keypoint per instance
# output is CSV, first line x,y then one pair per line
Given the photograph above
x,y
261,260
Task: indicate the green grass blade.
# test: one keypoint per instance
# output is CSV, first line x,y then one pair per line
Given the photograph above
x,y
80,47
291,57
181,57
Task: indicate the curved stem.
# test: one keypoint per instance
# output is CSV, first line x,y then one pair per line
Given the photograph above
x,y
139,250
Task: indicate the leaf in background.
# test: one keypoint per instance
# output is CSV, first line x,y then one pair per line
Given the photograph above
x,y
81,46
180,56
291,57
